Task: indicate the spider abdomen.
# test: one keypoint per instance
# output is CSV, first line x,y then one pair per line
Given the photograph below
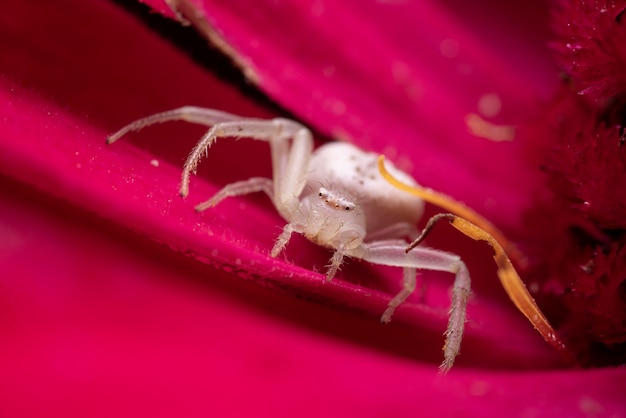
x,y
344,168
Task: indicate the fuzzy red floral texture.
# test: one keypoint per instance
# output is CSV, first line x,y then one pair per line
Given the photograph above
x,y
578,139
590,46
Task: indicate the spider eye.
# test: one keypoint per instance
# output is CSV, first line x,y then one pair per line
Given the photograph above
x,y
323,192
348,207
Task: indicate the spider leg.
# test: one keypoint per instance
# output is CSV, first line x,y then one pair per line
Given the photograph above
x,y
284,237
335,262
291,147
394,231
409,284
240,188
290,165
191,114
394,254
510,280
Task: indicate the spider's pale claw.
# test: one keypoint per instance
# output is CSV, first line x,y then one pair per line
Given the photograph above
x,y
283,239
330,273
201,207
386,318
212,202
393,304
409,283
335,263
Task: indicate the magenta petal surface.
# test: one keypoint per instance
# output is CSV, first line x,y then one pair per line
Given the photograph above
x,y
399,78
124,328
97,321
56,145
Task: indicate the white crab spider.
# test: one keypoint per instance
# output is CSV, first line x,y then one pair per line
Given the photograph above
x,y
335,197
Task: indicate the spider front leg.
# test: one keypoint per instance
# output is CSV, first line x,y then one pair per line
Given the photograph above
x,y
240,188
394,254
409,284
291,147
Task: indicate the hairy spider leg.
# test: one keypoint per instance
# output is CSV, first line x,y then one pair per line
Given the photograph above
x,y
424,258
291,146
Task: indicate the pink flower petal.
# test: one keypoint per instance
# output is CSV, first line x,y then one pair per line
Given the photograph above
x,y
394,77
126,328
99,321
64,154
